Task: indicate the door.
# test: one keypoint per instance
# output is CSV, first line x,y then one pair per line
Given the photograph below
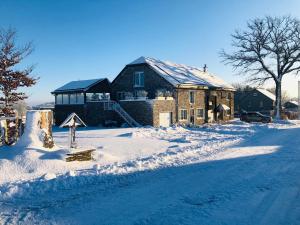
x,y
165,119
192,116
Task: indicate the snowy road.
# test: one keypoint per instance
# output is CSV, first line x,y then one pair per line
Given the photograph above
x,y
256,181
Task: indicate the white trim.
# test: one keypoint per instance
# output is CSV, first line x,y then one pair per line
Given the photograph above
x,y
187,115
200,117
139,73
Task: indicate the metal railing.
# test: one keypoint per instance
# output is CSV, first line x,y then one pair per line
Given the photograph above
x,y
112,105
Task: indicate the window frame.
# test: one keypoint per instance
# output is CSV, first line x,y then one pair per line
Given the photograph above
x,y
140,77
57,97
73,103
122,94
180,115
77,98
192,96
197,113
63,99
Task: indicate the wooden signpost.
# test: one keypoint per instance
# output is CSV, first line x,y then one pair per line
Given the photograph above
x,y
76,155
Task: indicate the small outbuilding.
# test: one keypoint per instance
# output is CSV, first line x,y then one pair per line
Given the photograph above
x,y
254,100
291,106
86,98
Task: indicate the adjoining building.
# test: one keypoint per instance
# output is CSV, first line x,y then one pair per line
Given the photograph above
x,y
291,106
150,92
84,97
254,100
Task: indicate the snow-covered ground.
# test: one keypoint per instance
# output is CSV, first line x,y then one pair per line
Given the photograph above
x,y
236,173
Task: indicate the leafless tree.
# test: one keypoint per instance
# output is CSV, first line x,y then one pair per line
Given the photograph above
x,y
268,49
285,97
11,77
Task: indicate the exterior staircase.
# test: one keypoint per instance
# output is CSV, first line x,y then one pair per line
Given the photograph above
x,y
113,105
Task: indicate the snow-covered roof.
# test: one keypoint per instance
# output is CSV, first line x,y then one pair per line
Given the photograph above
x,y
72,119
267,93
78,85
293,102
180,74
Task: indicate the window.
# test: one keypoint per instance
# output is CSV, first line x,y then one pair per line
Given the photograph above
x,y
58,99
121,95
183,114
228,96
192,97
106,96
139,79
73,98
80,98
65,99
96,97
261,104
92,97
200,113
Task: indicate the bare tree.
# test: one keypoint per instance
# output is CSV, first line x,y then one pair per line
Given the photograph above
x,y
268,49
12,78
285,97
242,87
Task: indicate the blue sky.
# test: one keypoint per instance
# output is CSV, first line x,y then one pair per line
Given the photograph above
x,y
77,39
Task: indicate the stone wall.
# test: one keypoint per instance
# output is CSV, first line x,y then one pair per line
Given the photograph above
x,y
227,98
140,110
161,106
184,103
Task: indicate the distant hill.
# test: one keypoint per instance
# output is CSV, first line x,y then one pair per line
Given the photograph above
x,y
46,105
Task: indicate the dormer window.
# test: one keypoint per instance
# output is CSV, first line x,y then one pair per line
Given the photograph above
x,y
139,79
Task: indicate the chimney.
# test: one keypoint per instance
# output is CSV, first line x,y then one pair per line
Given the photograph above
x,y
204,68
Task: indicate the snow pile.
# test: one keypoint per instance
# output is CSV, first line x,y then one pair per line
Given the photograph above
x,y
33,135
194,175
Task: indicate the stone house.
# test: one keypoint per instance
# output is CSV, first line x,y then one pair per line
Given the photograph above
x,y
254,100
159,93
149,92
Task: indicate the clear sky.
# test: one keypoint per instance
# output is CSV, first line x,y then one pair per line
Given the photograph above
x,y
85,39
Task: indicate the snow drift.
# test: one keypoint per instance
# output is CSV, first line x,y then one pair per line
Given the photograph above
x,y
33,135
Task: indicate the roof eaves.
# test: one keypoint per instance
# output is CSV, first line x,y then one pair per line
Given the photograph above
x,y
97,82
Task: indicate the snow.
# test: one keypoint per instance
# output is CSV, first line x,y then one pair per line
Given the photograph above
x,y
294,102
224,107
179,74
32,133
79,84
267,93
236,173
